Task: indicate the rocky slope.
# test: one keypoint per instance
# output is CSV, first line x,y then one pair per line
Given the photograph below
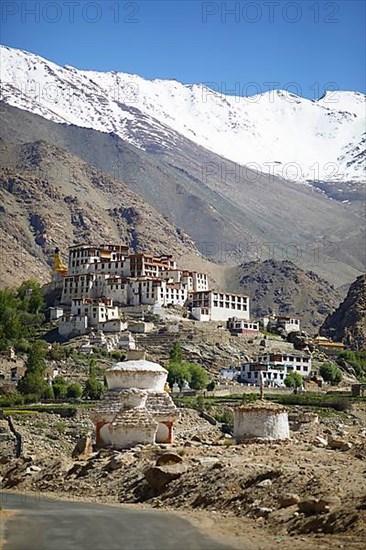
x,y
347,323
233,215
304,487
289,290
51,198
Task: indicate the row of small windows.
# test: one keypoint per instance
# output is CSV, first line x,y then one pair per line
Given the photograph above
x,y
98,265
287,358
255,373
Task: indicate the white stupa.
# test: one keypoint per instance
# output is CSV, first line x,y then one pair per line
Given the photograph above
x,y
136,409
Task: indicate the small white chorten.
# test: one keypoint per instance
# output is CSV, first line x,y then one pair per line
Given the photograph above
x,y
261,420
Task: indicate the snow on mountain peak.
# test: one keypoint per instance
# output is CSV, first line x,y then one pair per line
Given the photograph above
x,y
276,131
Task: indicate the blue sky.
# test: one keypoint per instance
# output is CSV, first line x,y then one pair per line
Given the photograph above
x,y
239,47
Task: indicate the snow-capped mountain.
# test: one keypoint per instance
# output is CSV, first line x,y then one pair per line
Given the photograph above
x,y
277,132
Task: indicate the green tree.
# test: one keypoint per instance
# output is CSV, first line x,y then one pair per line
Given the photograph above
x,y
198,376
178,373
60,387
93,389
331,373
92,367
47,392
211,385
11,325
74,390
33,382
176,355
37,357
293,380
31,296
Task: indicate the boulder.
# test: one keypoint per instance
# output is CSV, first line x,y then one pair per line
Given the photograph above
x,y
159,476
262,511
335,443
329,501
265,483
309,506
83,447
115,463
288,500
168,459
320,441
312,505
33,469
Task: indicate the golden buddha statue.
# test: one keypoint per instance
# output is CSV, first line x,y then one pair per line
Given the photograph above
x,y
58,266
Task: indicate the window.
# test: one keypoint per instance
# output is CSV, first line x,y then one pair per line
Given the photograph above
x,y
249,375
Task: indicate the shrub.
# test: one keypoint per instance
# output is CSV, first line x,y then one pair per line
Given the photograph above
x,y
200,403
226,418
22,346
11,399
47,392
60,387
211,385
331,373
93,389
118,355
293,380
61,427
74,391
341,404
57,352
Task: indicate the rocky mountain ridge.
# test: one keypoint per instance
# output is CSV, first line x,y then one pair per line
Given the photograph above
x,y
347,323
42,209
288,290
231,218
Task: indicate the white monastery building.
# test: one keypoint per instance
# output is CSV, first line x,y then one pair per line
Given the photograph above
x,y
289,324
242,326
128,279
101,279
217,306
274,368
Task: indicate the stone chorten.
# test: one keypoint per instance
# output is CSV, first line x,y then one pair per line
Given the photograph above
x,y
135,409
261,420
